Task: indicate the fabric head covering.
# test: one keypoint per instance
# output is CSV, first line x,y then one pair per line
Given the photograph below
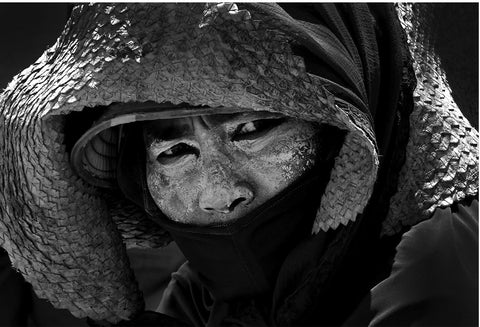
x,y
65,236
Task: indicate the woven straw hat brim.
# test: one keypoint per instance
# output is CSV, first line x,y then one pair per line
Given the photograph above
x,y
441,164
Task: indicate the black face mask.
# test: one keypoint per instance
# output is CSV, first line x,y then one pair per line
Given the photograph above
x,y
242,258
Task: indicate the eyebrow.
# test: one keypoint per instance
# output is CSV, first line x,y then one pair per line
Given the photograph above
x,y
164,134
168,133
221,119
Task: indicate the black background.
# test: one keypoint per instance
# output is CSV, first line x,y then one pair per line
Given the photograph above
x,y
27,29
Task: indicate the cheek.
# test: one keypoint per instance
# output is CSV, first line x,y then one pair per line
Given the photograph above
x,y
291,153
175,196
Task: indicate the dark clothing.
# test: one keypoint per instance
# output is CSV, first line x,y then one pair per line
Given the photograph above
x,y
433,281
242,258
434,278
19,306
430,279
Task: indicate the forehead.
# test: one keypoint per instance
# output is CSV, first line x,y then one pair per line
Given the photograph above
x,y
167,129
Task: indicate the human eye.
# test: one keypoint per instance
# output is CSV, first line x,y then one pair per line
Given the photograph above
x,y
176,154
255,129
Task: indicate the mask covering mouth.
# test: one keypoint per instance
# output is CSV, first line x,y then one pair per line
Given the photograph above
x,y
242,258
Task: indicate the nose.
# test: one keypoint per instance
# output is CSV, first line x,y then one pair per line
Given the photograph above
x,y
225,198
222,189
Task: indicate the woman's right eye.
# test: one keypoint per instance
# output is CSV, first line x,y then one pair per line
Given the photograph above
x,y
176,153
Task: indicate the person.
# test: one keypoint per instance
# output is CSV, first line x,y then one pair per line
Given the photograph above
x,y
307,159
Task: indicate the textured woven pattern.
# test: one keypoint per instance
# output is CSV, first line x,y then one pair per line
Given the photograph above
x,y
56,230
136,229
442,153
61,234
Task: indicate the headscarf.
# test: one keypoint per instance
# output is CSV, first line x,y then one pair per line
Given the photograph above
x,y
375,58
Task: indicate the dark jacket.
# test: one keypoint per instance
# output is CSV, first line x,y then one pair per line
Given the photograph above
x,y
428,277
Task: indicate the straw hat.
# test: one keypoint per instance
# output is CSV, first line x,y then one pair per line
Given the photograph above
x,y
67,234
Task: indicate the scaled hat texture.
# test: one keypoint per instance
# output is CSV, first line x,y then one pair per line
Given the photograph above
x,y
68,238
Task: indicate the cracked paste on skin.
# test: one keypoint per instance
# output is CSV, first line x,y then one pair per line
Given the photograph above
x,y
209,169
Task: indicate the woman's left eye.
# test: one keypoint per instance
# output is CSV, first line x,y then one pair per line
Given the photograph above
x,y
256,128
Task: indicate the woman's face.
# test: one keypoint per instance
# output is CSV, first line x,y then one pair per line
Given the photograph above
x,y
216,168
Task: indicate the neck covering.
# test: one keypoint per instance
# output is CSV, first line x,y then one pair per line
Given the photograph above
x,y
241,258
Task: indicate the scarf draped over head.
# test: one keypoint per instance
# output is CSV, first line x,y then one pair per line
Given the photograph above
x,y
359,53
357,49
